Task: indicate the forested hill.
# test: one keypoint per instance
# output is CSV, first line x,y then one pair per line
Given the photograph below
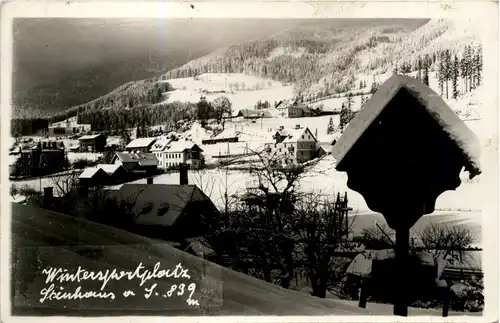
x,y
329,58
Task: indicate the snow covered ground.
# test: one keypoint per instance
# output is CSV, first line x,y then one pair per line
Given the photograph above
x,y
250,89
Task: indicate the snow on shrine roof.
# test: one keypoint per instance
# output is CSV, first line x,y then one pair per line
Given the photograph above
x,y
140,143
433,102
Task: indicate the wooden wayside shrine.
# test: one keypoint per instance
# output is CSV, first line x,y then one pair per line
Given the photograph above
x,y
401,151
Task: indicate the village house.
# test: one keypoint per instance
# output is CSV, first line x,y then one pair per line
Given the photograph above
x,y
136,162
324,150
92,143
93,176
142,145
169,212
293,146
116,172
228,135
158,150
254,114
182,152
43,158
293,110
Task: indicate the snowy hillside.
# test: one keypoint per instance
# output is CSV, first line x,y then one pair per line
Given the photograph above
x,y
242,90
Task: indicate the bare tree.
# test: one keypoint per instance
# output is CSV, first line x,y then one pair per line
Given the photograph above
x,y
65,185
323,235
446,243
204,181
223,109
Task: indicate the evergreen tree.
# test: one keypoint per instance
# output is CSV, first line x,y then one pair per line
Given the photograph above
x,y
43,166
479,64
468,68
395,70
374,86
349,101
463,73
455,74
331,127
441,72
475,67
425,79
419,68
345,114
448,67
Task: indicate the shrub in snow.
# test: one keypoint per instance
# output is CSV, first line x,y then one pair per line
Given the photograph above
x,y
468,295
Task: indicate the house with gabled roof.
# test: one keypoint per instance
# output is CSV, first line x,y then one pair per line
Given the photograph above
x,y
158,150
181,152
140,145
287,109
136,162
169,212
92,143
93,176
293,145
254,114
115,171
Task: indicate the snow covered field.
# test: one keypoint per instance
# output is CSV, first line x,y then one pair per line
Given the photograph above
x,y
249,90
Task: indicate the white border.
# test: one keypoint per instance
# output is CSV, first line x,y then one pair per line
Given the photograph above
x,y
484,15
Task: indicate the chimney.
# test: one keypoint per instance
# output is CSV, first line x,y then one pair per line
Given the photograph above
x,y
48,195
183,169
297,126
150,180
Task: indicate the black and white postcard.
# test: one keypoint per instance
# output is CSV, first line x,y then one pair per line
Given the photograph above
x,y
249,161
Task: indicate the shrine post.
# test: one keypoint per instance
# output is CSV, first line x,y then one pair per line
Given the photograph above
x,y
401,151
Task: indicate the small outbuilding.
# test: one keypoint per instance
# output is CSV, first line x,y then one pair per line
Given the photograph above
x,y
92,143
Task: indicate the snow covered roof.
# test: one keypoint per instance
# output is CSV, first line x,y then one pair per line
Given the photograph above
x,y
167,201
140,143
254,113
87,137
180,146
433,102
90,172
143,159
147,159
160,145
295,134
110,169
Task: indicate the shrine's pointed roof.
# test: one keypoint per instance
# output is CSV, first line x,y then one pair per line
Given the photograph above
x,y
451,124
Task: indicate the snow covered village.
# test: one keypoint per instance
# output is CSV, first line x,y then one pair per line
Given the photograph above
x,y
333,167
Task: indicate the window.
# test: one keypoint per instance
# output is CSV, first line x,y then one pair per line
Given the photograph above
x,y
302,153
302,136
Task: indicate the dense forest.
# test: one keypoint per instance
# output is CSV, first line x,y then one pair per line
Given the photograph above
x,y
130,95
312,57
